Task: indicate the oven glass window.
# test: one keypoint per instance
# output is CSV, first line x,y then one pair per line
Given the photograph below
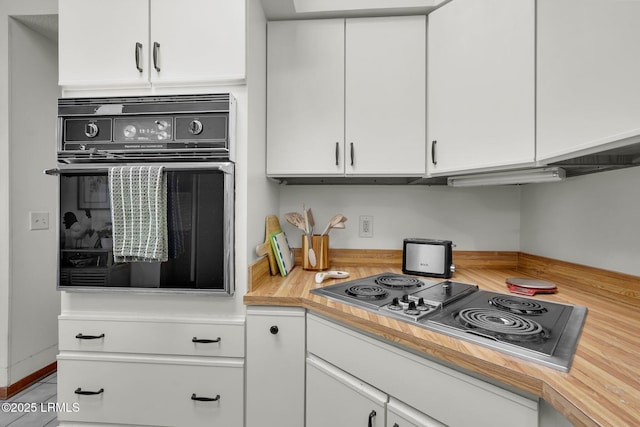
x,y
196,245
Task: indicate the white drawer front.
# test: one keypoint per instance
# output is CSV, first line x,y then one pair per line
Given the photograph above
x,y
151,391
427,386
152,337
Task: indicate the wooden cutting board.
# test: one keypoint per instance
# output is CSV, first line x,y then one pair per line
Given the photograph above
x,y
272,225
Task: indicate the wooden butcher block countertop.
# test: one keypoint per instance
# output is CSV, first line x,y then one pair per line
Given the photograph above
x,y
602,387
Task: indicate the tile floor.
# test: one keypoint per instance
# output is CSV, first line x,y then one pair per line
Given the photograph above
x,y
40,394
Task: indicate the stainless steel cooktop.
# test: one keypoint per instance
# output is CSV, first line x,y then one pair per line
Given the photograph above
x,y
540,331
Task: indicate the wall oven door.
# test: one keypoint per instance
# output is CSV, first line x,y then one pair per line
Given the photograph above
x,y
199,233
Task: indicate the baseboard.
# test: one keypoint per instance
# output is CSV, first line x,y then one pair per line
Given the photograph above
x,y
17,387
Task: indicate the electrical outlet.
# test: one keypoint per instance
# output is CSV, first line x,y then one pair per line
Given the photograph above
x,y
38,220
366,226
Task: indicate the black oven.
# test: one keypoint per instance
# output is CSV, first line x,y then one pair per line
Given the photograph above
x,y
146,194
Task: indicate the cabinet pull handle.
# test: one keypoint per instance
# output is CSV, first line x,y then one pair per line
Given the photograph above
x,y
87,392
205,399
337,154
352,154
205,341
156,48
433,152
89,337
138,51
274,329
372,415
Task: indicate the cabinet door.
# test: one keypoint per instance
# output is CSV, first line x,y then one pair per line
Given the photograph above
x,y
97,43
275,366
385,79
481,85
401,415
588,76
305,98
334,398
198,41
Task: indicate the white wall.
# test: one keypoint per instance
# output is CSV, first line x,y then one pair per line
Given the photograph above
x,y
474,219
592,220
35,303
263,194
7,9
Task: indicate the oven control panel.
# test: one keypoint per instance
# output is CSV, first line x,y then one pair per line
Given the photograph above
x,y
155,127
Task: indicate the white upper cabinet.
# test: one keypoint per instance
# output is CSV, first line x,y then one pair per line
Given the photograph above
x,y
305,98
481,86
200,41
385,94
103,42
346,97
588,71
139,43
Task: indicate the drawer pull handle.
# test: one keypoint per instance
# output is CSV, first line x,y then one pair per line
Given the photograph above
x,y
434,160
205,399
205,341
156,48
87,392
372,415
137,53
89,337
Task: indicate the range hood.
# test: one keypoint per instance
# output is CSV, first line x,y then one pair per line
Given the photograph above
x,y
616,158
607,160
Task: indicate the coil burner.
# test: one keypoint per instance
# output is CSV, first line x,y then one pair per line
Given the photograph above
x,y
517,306
398,282
367,292
501,324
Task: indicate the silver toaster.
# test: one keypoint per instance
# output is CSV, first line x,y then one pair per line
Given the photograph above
x,y
428,257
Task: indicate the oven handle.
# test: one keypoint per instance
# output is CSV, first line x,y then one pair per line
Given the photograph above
x,y
226,167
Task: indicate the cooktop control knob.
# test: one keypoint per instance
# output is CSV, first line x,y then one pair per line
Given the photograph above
x,y
195,127
446,288
412,310
91,130
395,304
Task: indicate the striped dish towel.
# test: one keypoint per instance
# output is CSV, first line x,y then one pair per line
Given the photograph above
x,y
139,213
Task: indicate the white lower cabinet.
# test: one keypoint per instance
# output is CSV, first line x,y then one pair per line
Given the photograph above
x,y
402,415
275,366
335,398
120,371
429,387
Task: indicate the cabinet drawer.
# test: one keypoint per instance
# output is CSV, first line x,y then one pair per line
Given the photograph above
x,y
150,390
425,385
223,339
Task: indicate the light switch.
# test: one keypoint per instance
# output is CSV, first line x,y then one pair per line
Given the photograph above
x,y
39,220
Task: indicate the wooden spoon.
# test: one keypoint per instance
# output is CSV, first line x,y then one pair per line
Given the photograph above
x,y
310,224
295,219
336,221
